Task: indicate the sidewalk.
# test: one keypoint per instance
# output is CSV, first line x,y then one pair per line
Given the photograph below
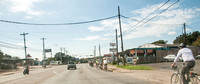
x,y
157,76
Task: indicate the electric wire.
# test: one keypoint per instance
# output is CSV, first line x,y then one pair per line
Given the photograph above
x,y
149,14
129,18
74,23
190,27
151,18
14,46
9,37
148,22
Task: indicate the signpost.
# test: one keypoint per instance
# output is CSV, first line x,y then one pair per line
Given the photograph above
x,y
113,49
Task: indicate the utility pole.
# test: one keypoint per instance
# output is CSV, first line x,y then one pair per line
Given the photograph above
x,y
61,49
94,53
24,34
44,59
64,50
117,46
123,60
185,34
61,54
99,50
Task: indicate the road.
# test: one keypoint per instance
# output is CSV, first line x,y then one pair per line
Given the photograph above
x,y
87,75
60,75
166,65
35,77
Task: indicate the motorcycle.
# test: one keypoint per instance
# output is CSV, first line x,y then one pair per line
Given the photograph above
x,y
26,71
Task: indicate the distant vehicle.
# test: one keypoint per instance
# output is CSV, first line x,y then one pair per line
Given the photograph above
x,y
71,65
197,57
171,57
55,63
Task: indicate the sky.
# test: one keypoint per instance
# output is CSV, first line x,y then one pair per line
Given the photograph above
x,y
142,21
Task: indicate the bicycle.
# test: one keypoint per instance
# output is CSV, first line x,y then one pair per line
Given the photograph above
x,y
176,77
195,78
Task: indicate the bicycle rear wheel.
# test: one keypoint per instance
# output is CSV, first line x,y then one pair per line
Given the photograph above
x,y
195,80
175,79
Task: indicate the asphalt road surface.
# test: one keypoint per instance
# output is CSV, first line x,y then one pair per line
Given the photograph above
x,y
60,75
87,75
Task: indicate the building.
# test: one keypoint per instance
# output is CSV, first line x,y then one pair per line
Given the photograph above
x,y
150,53
8,63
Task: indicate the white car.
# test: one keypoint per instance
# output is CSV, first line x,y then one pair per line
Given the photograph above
x,y
171,57
197,57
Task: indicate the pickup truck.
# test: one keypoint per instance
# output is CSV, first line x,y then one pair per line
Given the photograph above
x,y
71,65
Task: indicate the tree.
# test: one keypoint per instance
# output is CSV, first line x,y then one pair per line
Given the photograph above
x,y
65,58
179,39
160,42
190,38
59,55
1,57
197,42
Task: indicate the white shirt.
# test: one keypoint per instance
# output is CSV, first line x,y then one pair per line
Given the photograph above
x,y
186,54
105,61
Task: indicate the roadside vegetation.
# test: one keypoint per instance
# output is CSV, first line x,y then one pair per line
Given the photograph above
x,y
131,67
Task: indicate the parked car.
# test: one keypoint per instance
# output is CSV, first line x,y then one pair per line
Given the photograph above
x,y
171,57
71,65
197,57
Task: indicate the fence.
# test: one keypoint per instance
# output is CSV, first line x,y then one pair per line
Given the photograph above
x,y
161,53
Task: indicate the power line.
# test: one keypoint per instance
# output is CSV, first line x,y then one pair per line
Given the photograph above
x,y
9,37
18,47
11,47
74,23
152,17
148,22
128,18
152,12
190,27
147,15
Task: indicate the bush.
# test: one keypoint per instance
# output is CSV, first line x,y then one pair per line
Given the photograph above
x,y
114,62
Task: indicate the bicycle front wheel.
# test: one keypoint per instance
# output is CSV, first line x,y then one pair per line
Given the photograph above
x,y
195,80
175,79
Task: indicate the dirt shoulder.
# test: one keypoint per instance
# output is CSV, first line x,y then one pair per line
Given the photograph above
x,y
159,76
20,69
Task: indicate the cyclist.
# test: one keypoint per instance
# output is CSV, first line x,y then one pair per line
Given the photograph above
x,y
189,62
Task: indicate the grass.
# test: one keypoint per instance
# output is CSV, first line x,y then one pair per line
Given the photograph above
x,y
131,67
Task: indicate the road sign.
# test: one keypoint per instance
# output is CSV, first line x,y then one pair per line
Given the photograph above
x,y
47,50
113,50
112,44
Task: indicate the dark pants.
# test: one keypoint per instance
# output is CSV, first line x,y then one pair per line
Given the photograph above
x,y
185,70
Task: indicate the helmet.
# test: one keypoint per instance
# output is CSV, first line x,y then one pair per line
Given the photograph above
x,y
182,45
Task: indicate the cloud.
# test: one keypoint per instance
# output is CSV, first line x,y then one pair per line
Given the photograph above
x,y
172,33
25,6
108,34
89,38
166,22
93,28
110,23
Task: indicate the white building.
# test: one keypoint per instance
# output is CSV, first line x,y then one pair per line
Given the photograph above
x,y
150,45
